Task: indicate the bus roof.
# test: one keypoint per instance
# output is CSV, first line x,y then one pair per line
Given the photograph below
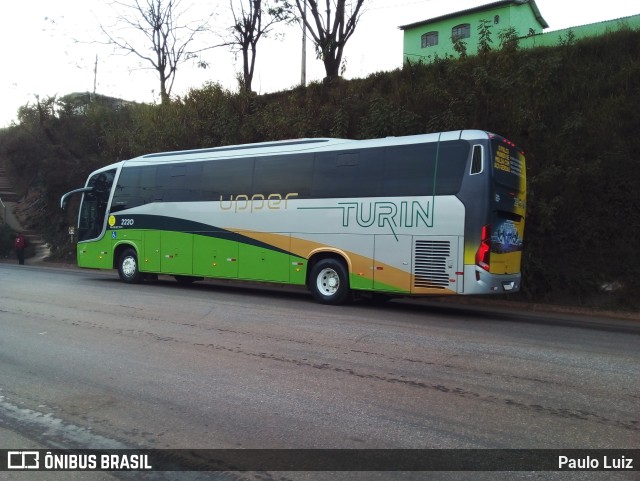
x,y
300,145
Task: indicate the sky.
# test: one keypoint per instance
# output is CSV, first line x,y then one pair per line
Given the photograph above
x,y
50,48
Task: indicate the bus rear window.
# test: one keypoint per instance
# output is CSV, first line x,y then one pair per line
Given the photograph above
x,y
509,166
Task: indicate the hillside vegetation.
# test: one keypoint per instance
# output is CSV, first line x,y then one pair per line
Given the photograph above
x,y
574,109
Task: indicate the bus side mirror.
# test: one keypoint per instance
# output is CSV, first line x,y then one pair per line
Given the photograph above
x,y
65,197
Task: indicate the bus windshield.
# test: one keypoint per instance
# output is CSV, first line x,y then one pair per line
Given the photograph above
x,y
94,205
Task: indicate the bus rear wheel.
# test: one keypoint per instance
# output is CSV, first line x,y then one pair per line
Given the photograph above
x,y
128,267
329,282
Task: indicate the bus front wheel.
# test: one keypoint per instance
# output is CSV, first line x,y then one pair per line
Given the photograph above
x,y
329,282
128,267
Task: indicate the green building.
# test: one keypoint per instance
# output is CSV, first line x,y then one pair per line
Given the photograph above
x,y
434,38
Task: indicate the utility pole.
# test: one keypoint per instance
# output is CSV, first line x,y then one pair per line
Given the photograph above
x,y
303,75
95,76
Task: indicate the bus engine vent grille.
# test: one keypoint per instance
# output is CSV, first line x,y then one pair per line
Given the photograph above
x,y
430,264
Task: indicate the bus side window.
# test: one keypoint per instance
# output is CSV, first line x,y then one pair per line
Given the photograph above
x,y
136,186
225,177
282,174
476,160
409,170
348,174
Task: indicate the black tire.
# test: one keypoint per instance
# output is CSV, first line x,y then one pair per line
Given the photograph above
x,y
329,282
128,267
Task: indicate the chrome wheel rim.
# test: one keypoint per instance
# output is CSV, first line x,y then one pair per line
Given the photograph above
x,y
129,267
328,282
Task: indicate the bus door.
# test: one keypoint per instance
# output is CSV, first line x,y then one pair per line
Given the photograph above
x,y
94,248
97,254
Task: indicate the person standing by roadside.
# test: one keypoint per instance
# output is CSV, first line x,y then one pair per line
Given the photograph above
x,y
20,244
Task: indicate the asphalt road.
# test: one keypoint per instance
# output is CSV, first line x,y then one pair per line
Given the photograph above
x,y
89,362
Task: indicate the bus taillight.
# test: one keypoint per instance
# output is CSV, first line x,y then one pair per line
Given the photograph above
x,y
483,255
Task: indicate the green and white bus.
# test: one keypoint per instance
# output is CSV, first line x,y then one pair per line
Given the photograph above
x,y
428,214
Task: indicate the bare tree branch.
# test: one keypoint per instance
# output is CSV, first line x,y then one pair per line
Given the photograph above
x,y
252,20
155,32
331,35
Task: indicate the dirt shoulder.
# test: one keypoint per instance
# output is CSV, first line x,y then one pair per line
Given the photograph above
x,y
532,307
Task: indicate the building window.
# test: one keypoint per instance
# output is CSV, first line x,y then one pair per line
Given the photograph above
x,y
429,39
461,31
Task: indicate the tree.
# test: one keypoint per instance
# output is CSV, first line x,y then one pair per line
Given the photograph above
x,y
509,39
484,37
330,35
154,31
460,46
253,19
